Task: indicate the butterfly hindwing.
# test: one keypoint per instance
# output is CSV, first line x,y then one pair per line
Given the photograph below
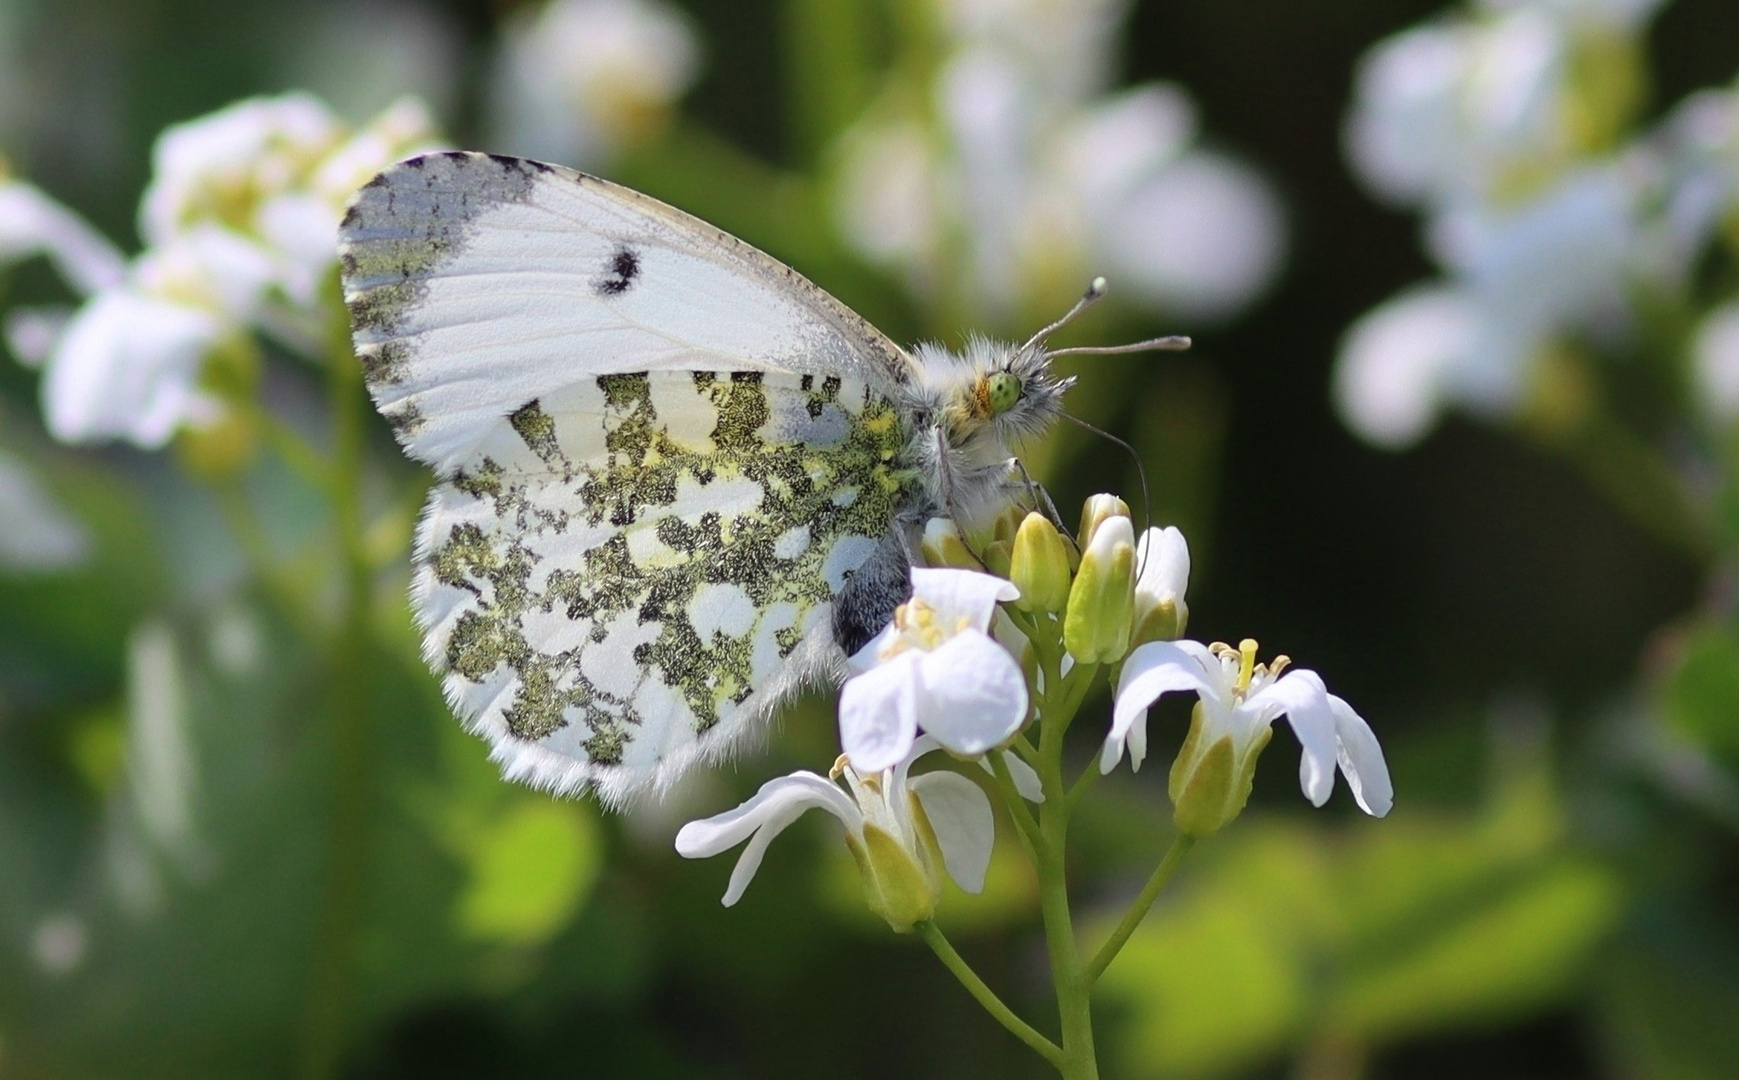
x,y
635,566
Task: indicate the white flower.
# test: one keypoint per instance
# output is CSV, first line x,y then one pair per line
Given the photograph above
x,y
1239,700
1715,363
241,218
274,173
33,224
936,668
1016,181
128,367
578,79
1522,276
1162,576
898,826
1394,361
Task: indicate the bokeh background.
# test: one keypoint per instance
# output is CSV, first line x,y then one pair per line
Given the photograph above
x,y
1507,538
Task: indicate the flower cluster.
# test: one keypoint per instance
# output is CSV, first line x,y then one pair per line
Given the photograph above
x,y
1007,171
1509,126
240,227
1000,631
576,81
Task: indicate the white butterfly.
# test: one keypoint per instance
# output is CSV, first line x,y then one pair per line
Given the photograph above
x,y
679,480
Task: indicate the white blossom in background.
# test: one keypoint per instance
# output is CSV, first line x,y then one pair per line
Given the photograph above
x,y
935,669
574,81
1715,363
32,224
1033,178
1487,122
903,830
37,535
240,223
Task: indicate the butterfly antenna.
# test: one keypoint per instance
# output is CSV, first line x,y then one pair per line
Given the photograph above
x,y
1140,469
1175,343
1095,292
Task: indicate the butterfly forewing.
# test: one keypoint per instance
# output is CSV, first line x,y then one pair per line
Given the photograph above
x,y
663,454
477,283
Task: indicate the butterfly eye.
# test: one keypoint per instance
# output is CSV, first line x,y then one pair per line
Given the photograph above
x,y
1003,391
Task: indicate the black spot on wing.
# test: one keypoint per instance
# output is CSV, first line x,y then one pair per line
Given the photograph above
x,y
620,272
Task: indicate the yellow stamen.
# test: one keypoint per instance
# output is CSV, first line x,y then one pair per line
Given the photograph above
x,y
1277,665
840,764
1246,663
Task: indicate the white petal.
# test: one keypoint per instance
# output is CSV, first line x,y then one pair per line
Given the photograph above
x,y
764,816
972,694
127,367
1157,668
961,594
31,223
1162,560
965,825
878,714
1201,237
1390,379
1302,698
1361,760
1026,781
1715,362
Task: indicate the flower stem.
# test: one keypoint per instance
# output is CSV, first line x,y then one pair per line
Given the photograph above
x,y
1073,989
331,986
986,997
1156,884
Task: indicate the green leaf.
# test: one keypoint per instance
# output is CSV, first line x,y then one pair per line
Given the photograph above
x,y
530,870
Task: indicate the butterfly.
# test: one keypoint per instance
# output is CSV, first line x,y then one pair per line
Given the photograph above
x,y
677,480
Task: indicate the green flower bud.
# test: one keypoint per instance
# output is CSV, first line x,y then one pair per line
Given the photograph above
x,y
1210,781
997,557
901,886
1039,565
941,546
1095,511
1101,605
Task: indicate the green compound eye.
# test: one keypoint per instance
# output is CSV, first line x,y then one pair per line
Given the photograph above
x,y
1004,391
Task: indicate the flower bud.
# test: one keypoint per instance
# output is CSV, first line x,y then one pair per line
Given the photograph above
x,y
997,557
901,885
1102,601
1039,565
1162,560
1096,510
1210,781
941,546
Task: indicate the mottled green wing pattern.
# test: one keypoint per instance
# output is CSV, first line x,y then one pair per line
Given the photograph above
x,y
637,566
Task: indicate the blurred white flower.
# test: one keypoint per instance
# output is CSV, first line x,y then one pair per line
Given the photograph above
x,y
32,224
275,173
37,536
935,669
1479,103
1022,179
1390,378
1521,276
576,80
1715,363
241,226
898,827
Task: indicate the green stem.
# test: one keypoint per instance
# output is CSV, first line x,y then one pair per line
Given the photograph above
x,y
331,987
1073,989
986,997
1156,884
